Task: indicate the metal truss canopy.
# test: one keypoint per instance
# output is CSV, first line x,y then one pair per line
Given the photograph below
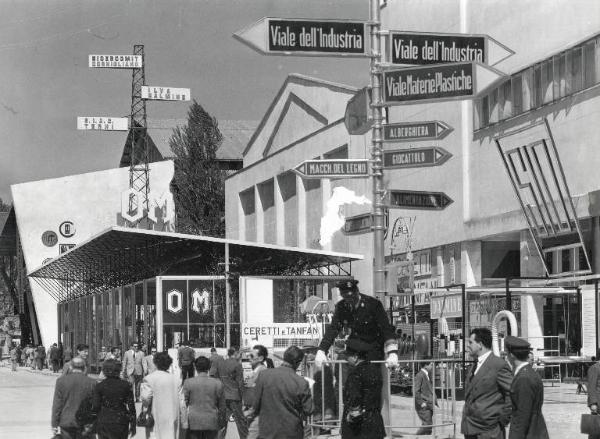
x,y
120,256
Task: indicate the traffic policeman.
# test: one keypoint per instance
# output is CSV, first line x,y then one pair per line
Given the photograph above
x,y
364,317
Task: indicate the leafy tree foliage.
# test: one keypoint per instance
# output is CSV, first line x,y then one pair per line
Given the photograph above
x,y
3,206
198,184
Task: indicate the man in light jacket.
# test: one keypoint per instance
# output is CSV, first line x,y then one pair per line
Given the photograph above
x,y
133,370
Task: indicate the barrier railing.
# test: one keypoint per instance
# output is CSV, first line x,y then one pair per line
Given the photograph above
x,y
398,410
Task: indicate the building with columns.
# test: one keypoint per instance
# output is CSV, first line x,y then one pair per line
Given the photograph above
x,y
521,177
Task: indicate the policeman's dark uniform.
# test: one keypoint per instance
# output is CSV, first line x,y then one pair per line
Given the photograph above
x,y
527,397
362,397
367,322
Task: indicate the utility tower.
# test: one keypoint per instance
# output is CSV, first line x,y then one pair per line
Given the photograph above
x,y
139,173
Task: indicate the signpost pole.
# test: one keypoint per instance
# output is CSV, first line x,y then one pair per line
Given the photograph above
x,y
377,152
379,287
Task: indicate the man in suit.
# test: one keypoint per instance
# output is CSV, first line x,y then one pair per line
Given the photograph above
x,y
185,357
133,370
205,398
148,365
70,391
282,399
232,376
526,393
487,390
423,392
82,352
214,359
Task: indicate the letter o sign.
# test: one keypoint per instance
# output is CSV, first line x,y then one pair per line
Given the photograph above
x,y
175,301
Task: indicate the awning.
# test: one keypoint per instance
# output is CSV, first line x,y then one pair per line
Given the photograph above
x,y
120,256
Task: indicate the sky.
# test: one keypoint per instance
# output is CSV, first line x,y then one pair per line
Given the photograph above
x,y
45,81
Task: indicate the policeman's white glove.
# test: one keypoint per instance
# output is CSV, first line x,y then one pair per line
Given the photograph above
x,y
392,360
320,358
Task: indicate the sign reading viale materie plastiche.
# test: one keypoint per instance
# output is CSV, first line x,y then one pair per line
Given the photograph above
x,y
432,82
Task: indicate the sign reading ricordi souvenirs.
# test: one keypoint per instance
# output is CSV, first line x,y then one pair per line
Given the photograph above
x,y
408,131
115,61
444,81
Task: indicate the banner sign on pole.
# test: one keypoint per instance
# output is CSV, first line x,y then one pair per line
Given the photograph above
x,y
165,93
284,36
266,333
437,82
100,123
409,131
115,61
433,48
415,157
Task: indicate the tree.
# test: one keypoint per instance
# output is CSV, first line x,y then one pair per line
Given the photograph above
x,y
4,207
198,183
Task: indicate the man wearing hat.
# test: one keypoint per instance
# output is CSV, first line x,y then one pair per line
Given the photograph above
x,y
366,320
362,394
526,393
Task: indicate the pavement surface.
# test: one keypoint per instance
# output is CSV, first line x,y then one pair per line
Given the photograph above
x,y
27,400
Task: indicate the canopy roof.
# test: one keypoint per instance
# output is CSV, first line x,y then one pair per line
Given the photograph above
x,y
120,256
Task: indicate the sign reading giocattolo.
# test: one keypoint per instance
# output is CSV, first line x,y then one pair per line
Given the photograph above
x,y
415,157
343,168
418,200
165,93
286,36
101,123
281,330
434,48
437,82
115,61
409,131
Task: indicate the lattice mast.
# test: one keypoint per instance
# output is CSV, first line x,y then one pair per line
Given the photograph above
x,y
139,172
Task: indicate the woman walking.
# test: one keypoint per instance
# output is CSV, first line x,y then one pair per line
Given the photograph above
x,y
113,402
160,394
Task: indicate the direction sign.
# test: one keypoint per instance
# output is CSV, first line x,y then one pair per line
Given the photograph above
x,y
286,36
101,123
165,93
358,118
415,157
343,168
358,224
418,200
405,132
434,48
439,82
115,61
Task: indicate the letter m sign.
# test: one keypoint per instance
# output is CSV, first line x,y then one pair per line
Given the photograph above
x,y
531,159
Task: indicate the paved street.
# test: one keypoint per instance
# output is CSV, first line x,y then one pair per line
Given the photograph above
x,y
27,401
27,398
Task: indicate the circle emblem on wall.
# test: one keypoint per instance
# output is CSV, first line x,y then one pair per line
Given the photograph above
x,y
66,229
49,238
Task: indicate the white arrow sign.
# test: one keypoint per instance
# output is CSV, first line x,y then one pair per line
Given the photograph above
x,y
305,37
438,82
436,48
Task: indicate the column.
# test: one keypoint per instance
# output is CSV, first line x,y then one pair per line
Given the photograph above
x,y
279,212
301,214
470,258
532,323
260,217
326,191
